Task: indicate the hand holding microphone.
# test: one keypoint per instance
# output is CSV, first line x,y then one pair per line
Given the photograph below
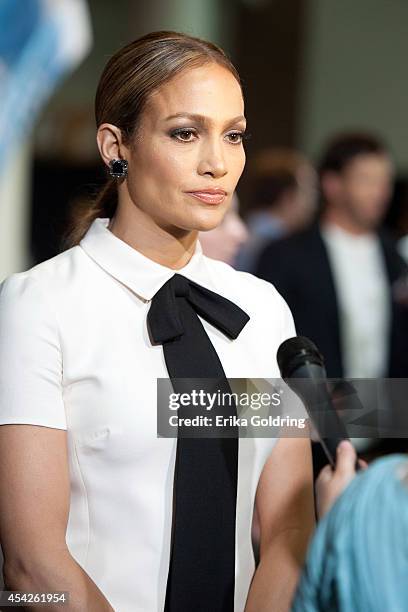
x,y
331,483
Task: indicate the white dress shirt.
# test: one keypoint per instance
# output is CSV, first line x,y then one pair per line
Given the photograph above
x,y
363,295
75,355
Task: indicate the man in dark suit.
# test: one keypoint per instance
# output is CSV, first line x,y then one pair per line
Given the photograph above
x,y
339,276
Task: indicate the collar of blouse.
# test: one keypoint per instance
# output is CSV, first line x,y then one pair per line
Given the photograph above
x,y
139,273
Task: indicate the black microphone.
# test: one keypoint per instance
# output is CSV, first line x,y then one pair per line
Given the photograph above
x,y
302,367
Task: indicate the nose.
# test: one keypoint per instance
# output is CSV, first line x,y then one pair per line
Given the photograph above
x,y
212,160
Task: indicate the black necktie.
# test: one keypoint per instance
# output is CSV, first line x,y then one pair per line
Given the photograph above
x,y
202,564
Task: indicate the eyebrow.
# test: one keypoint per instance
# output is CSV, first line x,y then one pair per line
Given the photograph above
x,y
202,119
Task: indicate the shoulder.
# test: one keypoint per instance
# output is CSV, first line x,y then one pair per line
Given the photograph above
x,y
293,243
283,259
391,251
387,239
249,291
239,281
41,282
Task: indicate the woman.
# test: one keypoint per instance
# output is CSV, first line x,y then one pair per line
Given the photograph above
x,y
93,486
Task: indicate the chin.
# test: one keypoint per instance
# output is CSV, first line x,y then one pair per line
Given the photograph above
x,y
207,222
206,227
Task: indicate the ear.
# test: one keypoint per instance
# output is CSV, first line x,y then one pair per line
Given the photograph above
x,y
330,185
110,143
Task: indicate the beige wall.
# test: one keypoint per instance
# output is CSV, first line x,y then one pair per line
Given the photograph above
x,y
14,196
355,72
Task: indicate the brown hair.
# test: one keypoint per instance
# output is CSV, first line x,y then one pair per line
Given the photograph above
x,y
344,147
273,172
129,78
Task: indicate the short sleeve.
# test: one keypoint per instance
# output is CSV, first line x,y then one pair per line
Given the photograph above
x,y
30,356
288,324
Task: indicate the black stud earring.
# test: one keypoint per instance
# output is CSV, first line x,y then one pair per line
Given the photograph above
x,y
118,168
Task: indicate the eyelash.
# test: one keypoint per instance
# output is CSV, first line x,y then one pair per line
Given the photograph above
x,y
176,133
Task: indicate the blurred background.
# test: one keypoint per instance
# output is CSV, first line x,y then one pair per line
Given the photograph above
x,y
310,68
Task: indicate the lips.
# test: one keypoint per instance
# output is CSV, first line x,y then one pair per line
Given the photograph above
x,y
209,196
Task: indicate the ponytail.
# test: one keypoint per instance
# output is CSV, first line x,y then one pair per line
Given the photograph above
x,y
83,213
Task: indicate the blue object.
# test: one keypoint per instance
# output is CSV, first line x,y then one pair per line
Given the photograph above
x,y
18,21
40,42
358,558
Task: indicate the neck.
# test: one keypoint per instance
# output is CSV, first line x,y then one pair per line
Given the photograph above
x,y
335,217
172,249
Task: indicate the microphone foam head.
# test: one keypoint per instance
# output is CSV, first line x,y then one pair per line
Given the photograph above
x,y
296,351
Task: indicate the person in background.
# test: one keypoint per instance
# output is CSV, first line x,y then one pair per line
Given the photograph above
x,y
358,557
399,216
337,275
283,200
223,242
398,223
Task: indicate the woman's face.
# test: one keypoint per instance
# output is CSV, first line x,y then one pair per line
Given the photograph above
x,y
187,156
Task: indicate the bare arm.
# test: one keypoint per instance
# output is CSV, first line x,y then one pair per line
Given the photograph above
x,y
34,509
285,509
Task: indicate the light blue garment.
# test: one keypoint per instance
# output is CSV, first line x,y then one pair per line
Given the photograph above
x,y
358,558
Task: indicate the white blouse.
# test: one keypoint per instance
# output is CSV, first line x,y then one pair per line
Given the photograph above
x,y
75,355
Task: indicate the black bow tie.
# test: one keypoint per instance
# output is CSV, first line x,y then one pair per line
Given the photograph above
x,y
164,316
202,563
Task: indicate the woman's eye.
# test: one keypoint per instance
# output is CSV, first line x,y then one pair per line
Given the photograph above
x,y
184,135
236,137
188,135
